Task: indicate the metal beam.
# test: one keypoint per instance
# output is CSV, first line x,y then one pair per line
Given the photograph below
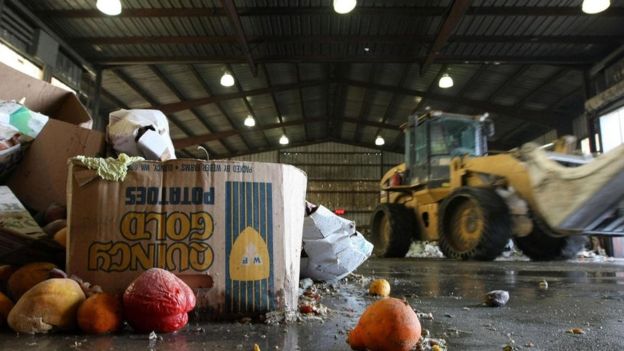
x,y
551,79
280,117
198,139
185,105
324,39
431,86
471,81
148,98
97,97
542,117
366,103
63,44
208,90
301,103
508,81
157,71
246,102
408,11
458,9
385,147
186,142
112,98
338,103
336,58
275,148
606,61
391,105
235,22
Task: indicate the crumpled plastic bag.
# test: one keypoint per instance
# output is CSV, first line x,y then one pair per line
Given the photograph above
x,y
333,246
18,127
20,117
143,133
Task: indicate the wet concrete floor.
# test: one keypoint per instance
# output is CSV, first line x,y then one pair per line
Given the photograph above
x,y
584,295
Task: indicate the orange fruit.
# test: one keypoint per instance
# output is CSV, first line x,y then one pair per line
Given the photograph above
x,y
101,313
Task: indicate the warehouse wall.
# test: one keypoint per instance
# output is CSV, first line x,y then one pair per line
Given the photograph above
x,y
23,36
339,176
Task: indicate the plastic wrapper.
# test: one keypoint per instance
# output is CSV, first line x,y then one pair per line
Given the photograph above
x,y
18,127
143,133
333,246
21,118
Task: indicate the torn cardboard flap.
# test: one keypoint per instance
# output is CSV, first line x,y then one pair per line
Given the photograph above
x,y
333,246
41,176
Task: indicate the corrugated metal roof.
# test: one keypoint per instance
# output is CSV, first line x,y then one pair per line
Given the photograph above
x,y
369,67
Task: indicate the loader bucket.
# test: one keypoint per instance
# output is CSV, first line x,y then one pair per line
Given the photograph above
x,y
571,199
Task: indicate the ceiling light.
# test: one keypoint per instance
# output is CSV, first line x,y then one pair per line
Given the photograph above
x,y
344,6
284,140
250,121
446,81
379,141
227,80
109,7
595,6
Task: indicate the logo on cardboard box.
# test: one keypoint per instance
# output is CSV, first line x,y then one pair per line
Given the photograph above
x,y
249,242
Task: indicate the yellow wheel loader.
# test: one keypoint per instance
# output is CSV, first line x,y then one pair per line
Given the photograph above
x,y
451,190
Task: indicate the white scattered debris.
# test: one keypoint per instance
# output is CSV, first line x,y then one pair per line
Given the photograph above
x,y
587,255
424,249
333,245
511,253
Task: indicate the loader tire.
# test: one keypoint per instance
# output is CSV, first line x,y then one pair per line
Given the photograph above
x,y
392,230
474,224
543,245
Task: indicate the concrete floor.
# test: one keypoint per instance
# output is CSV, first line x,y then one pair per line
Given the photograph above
x,y
580,295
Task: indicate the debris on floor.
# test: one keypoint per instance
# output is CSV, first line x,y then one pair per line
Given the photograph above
x,y
332,246
379,287
429,343
591,256
424,249
496,298
576,331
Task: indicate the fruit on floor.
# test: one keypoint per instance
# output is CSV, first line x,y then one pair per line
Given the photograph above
x,y
28,276
158,301
379,287
100,314
387,325
49,305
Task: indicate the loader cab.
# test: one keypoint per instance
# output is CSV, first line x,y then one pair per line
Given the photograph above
x,y
433,139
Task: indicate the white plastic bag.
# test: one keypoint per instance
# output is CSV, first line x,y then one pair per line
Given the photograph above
x,y
142,133
333,246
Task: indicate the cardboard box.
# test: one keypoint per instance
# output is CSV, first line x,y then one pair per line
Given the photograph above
x,y
231,230
41,176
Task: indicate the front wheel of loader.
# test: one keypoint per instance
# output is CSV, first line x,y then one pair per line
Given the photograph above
x,y
391,230
474,224
543,245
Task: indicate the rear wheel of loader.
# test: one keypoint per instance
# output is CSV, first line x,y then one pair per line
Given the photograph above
x,y
543,245
474,224
391,230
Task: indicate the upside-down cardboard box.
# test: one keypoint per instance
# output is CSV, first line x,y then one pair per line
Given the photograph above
x,y
41,176
231,230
